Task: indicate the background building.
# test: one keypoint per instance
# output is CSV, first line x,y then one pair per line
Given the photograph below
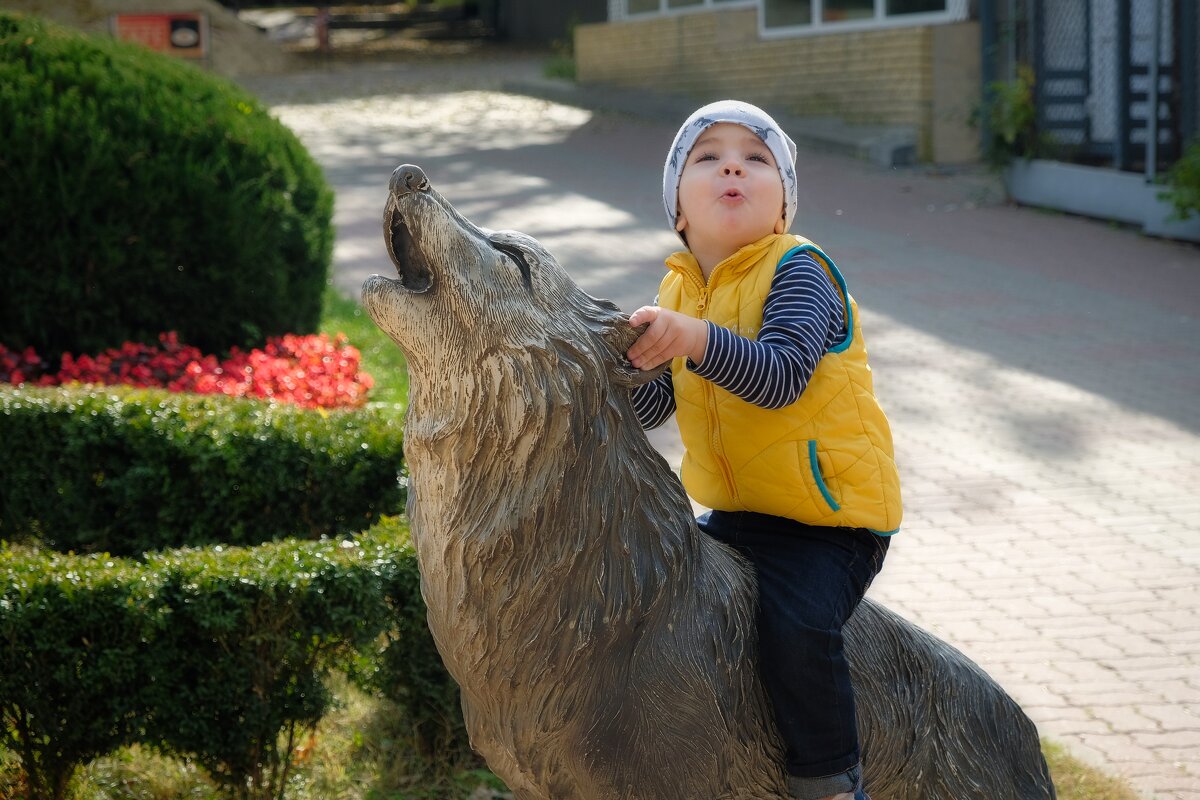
x,y
924,65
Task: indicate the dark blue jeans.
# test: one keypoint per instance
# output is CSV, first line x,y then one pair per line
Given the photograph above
x,y
810,580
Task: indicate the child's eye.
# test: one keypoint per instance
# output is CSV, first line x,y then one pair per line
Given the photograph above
x,y
706,157
758,157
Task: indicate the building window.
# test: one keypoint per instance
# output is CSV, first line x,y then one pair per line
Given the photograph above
x,y
799,17
787,13
897,7
842,10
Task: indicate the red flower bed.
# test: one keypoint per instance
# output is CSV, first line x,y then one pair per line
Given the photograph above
x,y
311,371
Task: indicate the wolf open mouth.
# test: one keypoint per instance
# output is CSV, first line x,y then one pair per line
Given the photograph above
x,y
414,272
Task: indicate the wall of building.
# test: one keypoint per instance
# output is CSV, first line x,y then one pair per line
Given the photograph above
x,y
926,77
954,68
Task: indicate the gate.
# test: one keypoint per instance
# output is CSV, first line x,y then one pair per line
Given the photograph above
x,y
1102,69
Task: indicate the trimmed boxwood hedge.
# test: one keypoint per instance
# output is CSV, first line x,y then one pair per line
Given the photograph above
x,y
408,670
142,194
125,470
209,653
73,661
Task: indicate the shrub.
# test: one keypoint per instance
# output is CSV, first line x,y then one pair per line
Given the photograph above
x,y
310,371
142,194
1184,182
72,661
408,671
1010,120
126,470
253,634
216,654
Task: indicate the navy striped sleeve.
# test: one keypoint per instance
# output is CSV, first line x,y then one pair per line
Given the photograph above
x,y
654,402
803,318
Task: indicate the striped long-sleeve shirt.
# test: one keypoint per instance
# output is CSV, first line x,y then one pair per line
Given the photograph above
x,y
803,318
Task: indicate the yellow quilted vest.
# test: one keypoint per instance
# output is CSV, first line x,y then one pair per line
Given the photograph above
x,y
826,459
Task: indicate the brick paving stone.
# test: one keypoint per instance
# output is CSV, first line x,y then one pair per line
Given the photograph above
x,y
1085,631
1081,670
1186,740
1146,667
1097,696
1171,668
1180,643
1172,716
1119,748
1137,643
1054,727
1048,436
1125,718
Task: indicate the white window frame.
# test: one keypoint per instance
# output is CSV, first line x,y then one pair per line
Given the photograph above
x,y
619,9
956,11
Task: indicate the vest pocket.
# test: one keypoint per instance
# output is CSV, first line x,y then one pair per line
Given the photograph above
x,y
814,467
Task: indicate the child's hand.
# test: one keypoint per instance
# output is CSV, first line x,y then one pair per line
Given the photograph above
x,y
670,334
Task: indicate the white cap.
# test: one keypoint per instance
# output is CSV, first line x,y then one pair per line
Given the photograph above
x,y
739,113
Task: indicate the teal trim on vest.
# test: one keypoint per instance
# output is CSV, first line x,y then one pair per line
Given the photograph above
x,y
841,282
817,478
892,532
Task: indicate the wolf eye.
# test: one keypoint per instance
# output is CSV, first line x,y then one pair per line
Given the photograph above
x,y
518,258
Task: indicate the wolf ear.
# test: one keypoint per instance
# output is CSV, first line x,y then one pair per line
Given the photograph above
x,y
619,335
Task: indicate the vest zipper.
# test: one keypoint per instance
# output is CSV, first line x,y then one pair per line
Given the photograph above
x,y
710,402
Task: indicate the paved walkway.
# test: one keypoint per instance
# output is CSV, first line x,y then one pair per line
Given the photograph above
x,y
1041,374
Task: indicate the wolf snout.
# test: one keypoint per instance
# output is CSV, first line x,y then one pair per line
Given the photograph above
x,y
408,178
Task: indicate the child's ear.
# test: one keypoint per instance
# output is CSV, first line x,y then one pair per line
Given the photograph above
x,y
680,221
780,226
619,335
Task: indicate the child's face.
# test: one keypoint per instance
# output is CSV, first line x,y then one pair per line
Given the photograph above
x,y
730,192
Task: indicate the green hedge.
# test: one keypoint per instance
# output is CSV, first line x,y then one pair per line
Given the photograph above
x,y
72,661
217,654
124,470
142,194
408,671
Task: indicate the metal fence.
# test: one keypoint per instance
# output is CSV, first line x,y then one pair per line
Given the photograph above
x,y
1101,68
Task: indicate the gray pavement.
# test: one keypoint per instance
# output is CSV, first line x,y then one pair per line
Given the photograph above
x,y
1040,372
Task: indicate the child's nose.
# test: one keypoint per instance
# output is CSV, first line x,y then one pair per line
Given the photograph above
x,y
732,167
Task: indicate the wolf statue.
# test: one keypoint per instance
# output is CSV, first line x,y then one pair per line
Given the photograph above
x,y
604,646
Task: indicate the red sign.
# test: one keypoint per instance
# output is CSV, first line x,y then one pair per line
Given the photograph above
x,y
183,34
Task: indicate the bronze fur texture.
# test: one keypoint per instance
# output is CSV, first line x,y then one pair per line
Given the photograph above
x,y
605,648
